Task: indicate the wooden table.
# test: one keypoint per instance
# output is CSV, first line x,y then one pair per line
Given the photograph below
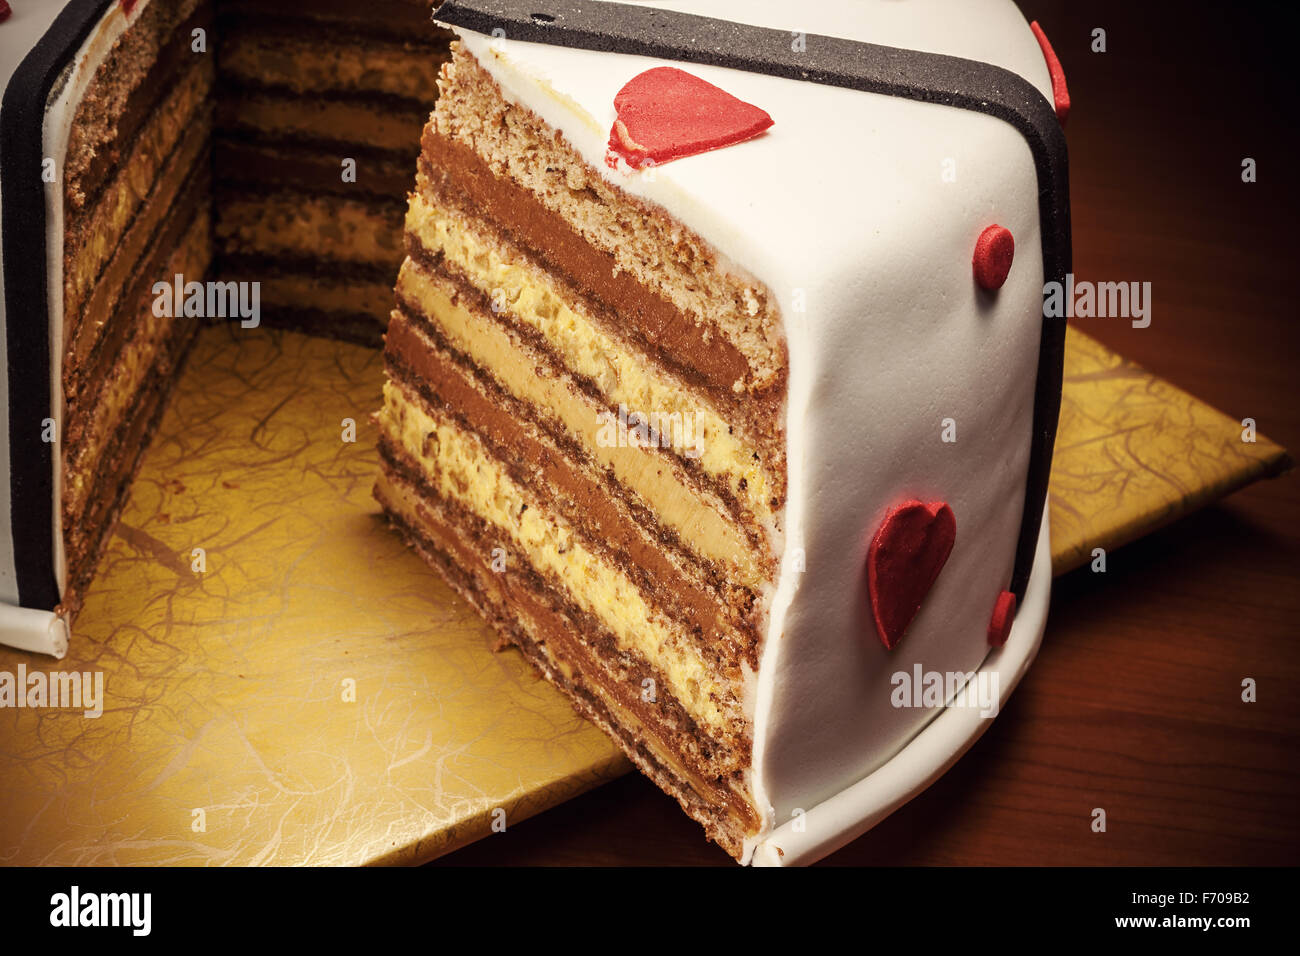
x,y
1134,704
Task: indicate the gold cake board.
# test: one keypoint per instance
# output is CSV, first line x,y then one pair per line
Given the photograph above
x,y
285,683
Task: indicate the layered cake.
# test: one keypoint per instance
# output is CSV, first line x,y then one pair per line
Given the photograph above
x,y
259,151
719,381
717,372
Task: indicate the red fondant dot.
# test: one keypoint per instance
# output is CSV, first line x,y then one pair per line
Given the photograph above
x,y
1004,613
994,250
5,10
1060,92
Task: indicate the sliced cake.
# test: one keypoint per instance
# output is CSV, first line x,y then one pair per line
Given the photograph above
x,y
686,321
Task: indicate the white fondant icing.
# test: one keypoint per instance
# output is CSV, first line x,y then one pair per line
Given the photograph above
x,y
842,209
853,811
23,627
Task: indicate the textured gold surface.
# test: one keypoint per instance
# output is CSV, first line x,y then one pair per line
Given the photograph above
x,y
225,690
1133,453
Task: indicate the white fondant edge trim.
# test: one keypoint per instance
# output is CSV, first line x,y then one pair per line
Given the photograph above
x,y
42,632
853,811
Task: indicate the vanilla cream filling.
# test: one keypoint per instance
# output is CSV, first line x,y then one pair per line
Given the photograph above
x,y
327,120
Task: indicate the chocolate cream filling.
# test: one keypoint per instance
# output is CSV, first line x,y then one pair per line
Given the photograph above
x,y
397,19
331,235
359,328
260,167
332,30
242,92
330,61
268,266
726,823
714,573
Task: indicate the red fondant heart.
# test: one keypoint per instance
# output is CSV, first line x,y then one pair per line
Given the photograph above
x,y
909,550
667,113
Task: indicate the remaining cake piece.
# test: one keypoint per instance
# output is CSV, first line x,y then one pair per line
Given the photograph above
x,y
118,117
681,342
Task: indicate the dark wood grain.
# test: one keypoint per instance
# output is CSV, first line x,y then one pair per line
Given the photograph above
x,y
1134,704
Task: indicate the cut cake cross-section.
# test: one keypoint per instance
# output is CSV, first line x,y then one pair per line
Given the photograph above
x,y
656,420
